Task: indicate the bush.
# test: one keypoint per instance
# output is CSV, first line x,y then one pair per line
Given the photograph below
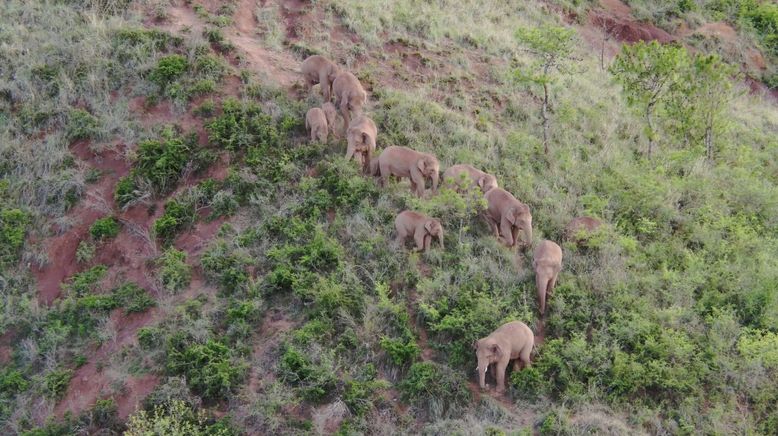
x,y
133,298
149,337
57,382
242,125
316,382
13,228
176,418
179,214
85,282
105,228
226,269
168,69
435,389
162,161
81,125
210,369
85,251
174,273
12,382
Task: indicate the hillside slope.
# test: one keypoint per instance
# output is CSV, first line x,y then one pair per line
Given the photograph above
x,y
177,255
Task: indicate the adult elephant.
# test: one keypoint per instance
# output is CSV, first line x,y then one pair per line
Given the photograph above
x,y
405,162
507,217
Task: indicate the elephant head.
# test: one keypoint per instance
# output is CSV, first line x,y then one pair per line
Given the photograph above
x,y
487,182
521,219
487,351
356,101
430,168
434,228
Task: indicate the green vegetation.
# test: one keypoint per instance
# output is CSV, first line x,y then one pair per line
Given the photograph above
x,y
665,321
174,273
105,228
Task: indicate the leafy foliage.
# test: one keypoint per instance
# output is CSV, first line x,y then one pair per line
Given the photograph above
x,y
210,368
104,228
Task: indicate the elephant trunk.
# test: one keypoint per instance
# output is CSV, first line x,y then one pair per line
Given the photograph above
x,y
435,179
440,239
482,367
528,235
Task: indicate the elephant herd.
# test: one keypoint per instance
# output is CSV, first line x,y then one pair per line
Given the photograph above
x,y
509,219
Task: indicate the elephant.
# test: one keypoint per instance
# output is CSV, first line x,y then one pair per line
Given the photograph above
x,y
511,341
422,227
316,124
361,135
579,227
547,262
404,162
507,216
374,169
350,97
318,69
484,181
332,115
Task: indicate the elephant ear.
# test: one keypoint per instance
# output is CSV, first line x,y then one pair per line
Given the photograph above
x,y
365,138
496,350
481,182
511,215
421,164
428,226
475,344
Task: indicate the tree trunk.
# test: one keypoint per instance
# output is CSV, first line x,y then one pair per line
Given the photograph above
x,y
709,142
650,129
544,115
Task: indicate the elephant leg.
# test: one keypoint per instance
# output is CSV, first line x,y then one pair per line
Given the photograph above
x,y
551,285
324,82
413,186
524,356
400,239
541,282
517,365
501,367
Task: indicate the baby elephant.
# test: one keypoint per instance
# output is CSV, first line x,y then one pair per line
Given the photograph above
x,y
547,262
484,181
316,124
318,69
415,165
511,341
581,226
361,136
422,227
507,216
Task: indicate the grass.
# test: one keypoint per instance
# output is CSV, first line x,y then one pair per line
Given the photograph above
x,y
665,322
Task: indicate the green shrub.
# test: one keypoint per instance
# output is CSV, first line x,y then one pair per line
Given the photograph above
x,y
149,337
226,269
168,69
315,382
162,161
133,298
57,382
242,125
13,228
85,282
81,125
174,273
210,369
126,191
85,251
12,382
105,414
435,389
104,228
176,418
179,214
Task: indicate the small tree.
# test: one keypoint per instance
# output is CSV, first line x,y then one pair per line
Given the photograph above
x,y
648,72
701,98
554,47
